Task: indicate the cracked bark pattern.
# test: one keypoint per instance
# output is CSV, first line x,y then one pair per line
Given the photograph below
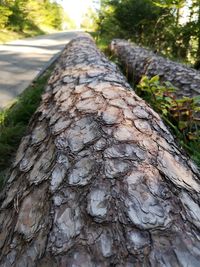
x,y
98,180
139,61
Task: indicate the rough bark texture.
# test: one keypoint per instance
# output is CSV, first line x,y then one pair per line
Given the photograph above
x,y
98,180
140,61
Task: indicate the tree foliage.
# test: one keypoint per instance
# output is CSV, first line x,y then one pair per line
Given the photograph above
x,y
5,12
158,24
20,15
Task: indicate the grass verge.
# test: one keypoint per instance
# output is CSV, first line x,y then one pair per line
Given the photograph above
x,y
14,121
9,35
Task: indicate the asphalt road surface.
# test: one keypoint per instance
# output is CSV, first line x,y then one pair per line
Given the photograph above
x,y
22,60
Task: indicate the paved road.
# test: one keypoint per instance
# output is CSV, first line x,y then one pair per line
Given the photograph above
x,y
22,60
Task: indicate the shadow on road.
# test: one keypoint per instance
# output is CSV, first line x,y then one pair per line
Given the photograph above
x,y
22,60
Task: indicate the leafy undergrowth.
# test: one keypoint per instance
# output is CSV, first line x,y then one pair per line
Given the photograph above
x,y
13,122
182,115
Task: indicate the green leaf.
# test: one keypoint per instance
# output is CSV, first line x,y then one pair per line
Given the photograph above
x,y
196,99
165,111
169,99
155,79
182,125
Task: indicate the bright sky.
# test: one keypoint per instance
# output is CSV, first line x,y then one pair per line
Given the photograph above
x,y
76,8
185,12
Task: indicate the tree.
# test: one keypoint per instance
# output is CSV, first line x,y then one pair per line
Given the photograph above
x,y
5,13
157,24
175,4
18,19
54,15
98,180
134,18
21,15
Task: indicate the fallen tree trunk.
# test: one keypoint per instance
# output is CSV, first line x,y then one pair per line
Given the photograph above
x,y
98,180
139,61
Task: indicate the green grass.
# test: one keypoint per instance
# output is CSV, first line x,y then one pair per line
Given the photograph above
x,y
10,35
7,36
14,121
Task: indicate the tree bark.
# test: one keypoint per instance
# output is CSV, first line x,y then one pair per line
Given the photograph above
x,y
98,180
140,61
